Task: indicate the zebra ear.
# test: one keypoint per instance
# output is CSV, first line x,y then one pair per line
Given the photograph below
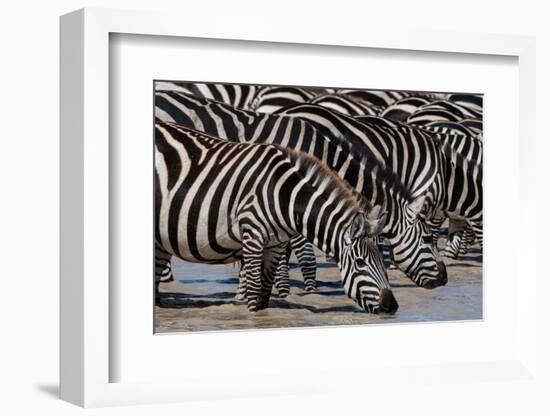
x,y
356,229
375,221
417,205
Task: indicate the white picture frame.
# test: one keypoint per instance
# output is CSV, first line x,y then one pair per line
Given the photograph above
x,y
85,222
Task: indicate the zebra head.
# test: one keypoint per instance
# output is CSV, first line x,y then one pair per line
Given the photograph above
x,y
414,251
362,270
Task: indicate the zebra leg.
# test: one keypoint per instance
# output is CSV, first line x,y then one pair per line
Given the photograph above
x,y
456,236
468,238
241,290
282,275
253,262
163,268
391,260
387,253
271,262
477,228
306,258
435,224
454,242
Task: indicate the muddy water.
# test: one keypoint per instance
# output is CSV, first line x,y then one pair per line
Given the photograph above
x,y
202,299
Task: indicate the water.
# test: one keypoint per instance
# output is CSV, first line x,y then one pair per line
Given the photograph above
x,y
202,299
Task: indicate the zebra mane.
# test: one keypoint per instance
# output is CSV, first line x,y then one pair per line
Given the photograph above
x,y
308,165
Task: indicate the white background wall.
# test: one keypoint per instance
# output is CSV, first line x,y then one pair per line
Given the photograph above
x,y
29,189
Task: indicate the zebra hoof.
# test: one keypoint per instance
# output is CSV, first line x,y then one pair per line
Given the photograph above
x,y
253,307
311,289
240,297
283,295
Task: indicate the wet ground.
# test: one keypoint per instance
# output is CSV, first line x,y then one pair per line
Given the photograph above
x,y
202,299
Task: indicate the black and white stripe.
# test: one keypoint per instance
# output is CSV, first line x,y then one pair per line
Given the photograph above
x,y
401,109
375,98
463,161
236,95
271,99
344,104
447,111
471,101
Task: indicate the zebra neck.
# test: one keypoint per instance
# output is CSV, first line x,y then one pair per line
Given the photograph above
x,y
322,224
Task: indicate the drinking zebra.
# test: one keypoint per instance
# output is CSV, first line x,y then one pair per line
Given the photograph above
x,y
470,149
467,144
219,202
452,184
405,233
410,153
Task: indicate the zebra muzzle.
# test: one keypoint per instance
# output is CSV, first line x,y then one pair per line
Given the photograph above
x,y
441,278
387,301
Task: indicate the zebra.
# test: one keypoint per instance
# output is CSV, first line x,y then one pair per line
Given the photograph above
x,y
451,182
218,202
428,114
470,148
236,95
471,101
455,108
473,124
343,104
401,109
378,120
450,127
404,232
231,124
375,98
273,98
469,145
460,236
444,111
465,192
463,195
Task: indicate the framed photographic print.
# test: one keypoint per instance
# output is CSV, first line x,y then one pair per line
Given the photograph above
x,y
409,157
284,207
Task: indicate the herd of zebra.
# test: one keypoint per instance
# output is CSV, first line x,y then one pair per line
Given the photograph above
x,y
249,174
